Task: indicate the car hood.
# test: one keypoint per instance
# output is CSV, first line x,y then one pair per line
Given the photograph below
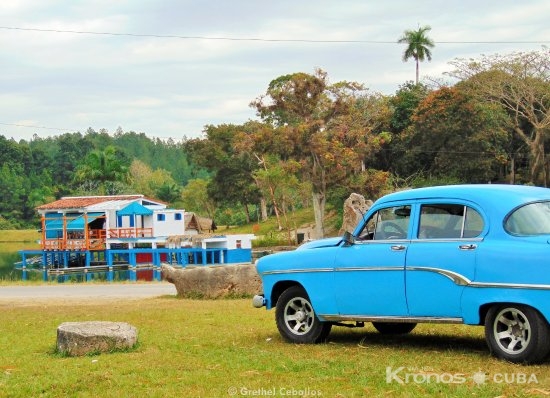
x,y
314,244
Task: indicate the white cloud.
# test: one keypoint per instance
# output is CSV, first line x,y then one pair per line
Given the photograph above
x,y
170,87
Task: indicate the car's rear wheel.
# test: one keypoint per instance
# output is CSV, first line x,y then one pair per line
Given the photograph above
x,y
296,319
517,333
394,327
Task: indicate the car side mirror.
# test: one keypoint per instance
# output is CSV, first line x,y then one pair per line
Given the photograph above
x,y
348,239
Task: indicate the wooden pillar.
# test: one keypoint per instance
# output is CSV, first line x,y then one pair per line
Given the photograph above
x,y
43,223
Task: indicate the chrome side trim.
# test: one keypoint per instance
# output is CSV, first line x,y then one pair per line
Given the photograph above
x,y
458,279
339,269
463,281
510,285
445,240
381,241
396,319
348,269
297,271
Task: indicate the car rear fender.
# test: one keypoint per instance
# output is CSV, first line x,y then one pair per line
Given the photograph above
x,y
477,301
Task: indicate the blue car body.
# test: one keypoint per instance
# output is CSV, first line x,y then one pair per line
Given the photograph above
x,y
438,254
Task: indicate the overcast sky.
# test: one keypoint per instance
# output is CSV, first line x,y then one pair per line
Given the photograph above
x,y
167,67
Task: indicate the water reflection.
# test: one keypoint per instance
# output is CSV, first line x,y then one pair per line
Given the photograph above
x,y
9,255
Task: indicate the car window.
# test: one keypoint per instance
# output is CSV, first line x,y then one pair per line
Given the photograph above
x,y
388,223
531,219
449,221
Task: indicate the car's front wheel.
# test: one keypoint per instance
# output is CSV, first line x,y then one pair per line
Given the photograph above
x,y
296,319
517,333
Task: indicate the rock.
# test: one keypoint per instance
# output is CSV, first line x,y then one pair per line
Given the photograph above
x,y
214,281
81,338
355,207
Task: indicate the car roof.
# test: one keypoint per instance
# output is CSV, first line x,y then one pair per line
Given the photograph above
x,y
498,195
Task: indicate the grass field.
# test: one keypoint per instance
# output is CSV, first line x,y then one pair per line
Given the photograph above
x,y
226,348
17,236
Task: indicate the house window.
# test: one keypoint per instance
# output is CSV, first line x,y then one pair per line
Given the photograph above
x,y
161,217
177,216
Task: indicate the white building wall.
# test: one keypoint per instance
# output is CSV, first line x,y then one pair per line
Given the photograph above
x,y
243,241
166,222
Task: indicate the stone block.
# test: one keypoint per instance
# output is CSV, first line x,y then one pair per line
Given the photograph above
x,y
81,338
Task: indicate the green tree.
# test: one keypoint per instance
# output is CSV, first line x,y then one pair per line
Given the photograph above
x,y
12,191
455,137
231,183
195,198
141,178
158,154
418,46
277,180
169,192
404,103
106,168
68,150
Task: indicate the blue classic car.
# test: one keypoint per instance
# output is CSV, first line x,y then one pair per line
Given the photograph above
x,y
472,254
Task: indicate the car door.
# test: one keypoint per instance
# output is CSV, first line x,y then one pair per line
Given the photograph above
x,y
369,275
441,257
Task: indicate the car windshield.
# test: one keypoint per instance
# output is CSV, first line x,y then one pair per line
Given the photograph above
x,y
531,219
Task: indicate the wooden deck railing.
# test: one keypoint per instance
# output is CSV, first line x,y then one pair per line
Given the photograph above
x,y
130,233
95,238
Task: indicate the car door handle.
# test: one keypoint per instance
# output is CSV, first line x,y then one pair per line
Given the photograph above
x,y
398,248
470,246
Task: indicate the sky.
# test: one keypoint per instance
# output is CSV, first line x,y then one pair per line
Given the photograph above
x,y
167,68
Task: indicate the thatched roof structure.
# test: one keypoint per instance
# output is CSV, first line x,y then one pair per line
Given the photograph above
x,y
198,224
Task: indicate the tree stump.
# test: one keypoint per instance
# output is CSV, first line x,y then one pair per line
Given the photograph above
x,y
81,338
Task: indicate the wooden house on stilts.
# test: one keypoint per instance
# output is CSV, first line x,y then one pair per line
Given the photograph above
x,y
130,234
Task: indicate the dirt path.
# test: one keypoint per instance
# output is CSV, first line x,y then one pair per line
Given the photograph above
x,y
39,293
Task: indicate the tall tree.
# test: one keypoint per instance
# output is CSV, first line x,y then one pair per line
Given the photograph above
x,y
455,138
327,128
418,46
520,83
232,181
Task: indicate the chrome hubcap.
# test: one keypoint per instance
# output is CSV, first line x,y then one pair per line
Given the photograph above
x,y
512,330
299,316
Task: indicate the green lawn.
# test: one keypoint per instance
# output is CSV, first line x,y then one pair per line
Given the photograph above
x,y
224,348
19,236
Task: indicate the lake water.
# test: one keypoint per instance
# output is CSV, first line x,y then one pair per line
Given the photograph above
x,y
9,256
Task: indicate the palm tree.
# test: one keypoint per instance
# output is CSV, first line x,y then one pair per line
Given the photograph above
x,y
103,167
169,192
418,45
